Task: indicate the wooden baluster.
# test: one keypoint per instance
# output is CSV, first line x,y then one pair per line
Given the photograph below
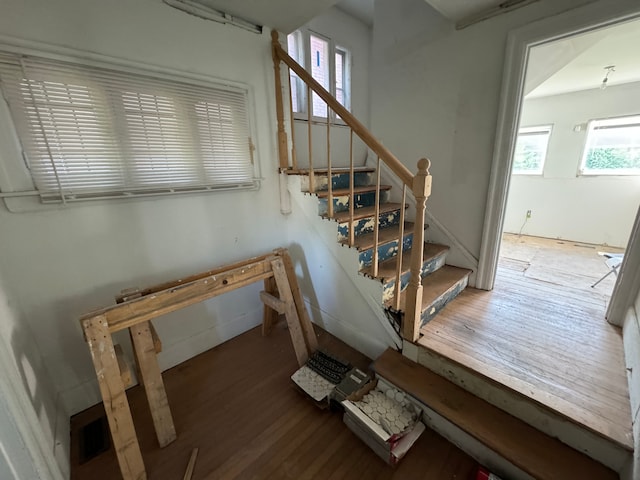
x,y
294,158
312,176
421,191
376,222
329,177
396,301
282,133
352,233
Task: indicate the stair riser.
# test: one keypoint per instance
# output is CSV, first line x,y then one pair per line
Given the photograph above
x,y
339,180
341,203
385,251
366,225
433,309
429,266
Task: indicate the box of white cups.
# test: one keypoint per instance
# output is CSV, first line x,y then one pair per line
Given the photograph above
x,y
385,418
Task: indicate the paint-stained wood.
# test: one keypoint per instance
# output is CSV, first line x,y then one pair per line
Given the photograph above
x,y
123,433
148,307
153,384
290,312
226,397
532,451
546,341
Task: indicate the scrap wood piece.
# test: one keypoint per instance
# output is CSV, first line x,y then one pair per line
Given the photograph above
x,y
191,465
303,315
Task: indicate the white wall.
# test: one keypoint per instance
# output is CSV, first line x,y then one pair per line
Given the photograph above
x,y
631,337
585,208
60,263
436,93
350,33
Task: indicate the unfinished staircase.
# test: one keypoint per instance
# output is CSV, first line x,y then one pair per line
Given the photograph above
x,y
417,283
390,262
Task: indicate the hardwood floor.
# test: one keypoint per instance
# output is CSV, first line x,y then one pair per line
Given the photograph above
x,y
544,335
237,404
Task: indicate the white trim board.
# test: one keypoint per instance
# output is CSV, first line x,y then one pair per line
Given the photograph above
x,y
519,42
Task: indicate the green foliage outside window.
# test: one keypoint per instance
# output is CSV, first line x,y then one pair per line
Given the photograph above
x,y
527,158
613,158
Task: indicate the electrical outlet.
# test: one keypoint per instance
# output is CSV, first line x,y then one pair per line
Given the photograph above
x,y
528,213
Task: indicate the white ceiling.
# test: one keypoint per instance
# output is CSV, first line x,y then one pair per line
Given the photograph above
x,y
577,63
360,9
456,10
283,15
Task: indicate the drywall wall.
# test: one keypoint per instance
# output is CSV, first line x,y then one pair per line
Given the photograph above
x,y
350,33
27,402
435,92
60,263
586,208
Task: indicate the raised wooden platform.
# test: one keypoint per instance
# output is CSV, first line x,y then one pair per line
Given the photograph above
x,y
237,404
535,453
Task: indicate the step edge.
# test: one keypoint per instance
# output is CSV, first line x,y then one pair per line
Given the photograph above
x,y
389,260
518,462
345,192
362,248
627,448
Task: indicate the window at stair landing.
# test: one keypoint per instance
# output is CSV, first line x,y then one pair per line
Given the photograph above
x,y
328,64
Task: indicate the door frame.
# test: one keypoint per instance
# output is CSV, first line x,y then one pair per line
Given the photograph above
x,y
519,42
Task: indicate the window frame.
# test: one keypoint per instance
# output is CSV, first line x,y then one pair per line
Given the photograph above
x,y
591,126
17,186
548,128
304,34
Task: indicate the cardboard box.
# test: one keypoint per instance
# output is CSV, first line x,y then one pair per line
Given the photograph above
x,y
390,447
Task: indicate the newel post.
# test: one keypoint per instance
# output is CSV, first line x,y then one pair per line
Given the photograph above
x,y
282,133
421,190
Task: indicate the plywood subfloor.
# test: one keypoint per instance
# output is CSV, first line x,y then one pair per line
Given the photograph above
x,y
545,338
237,404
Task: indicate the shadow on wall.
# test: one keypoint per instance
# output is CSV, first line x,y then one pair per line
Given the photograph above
x,y
304,280
28,364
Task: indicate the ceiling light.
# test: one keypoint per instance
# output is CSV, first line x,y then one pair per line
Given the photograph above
x,y
609,69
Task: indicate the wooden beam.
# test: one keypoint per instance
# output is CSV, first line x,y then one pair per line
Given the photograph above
x,y
116,406
123,365
282,134
270,316
182,281
273,302
153,384
148,307
295,330
157,343
301,309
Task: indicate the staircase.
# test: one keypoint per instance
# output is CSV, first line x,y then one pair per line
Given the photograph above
x,y
516,437
441,282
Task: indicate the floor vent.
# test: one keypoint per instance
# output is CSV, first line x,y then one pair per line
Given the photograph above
x,y
94,439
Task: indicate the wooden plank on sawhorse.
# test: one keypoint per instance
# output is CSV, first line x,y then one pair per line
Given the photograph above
x,y
153,385
114,397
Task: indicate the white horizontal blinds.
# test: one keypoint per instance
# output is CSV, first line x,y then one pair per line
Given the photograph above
x,y
91,131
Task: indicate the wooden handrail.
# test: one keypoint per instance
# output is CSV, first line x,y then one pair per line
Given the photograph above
x,y
385,155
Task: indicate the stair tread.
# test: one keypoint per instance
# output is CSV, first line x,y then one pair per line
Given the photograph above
x,y
364,212
534,452
336,170
387,269
386,235
437,284
341,192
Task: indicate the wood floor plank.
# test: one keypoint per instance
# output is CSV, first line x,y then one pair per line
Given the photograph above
x,y
237,405
546,341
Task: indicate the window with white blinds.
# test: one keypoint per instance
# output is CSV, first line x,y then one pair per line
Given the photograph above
x,y
91,132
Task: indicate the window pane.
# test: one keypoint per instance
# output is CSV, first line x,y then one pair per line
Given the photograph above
x,y
531,150
320,72
298,96
613,147
340,77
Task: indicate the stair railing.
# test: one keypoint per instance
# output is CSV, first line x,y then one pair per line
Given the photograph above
x,y
419,184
